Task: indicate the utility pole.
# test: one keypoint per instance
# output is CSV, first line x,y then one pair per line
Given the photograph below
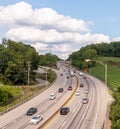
x,y
28,72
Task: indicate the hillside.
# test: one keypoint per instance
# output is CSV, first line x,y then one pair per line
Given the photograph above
x,y
113,71
98,56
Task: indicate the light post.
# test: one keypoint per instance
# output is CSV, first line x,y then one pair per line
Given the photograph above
x,y
105,65
28,72
46,76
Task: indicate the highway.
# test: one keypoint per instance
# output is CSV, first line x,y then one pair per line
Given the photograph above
x,y
84,116
81,116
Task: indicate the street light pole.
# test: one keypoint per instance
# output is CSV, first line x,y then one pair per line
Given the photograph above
x,y
28,72
46,76
105,65
106,74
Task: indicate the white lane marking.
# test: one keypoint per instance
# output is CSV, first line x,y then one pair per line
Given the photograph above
x,y
74,110
63,123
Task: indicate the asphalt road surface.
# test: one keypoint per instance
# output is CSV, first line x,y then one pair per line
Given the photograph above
x,y
81,116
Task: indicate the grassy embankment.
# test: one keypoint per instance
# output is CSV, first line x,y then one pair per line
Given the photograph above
x,y
113,71
22,93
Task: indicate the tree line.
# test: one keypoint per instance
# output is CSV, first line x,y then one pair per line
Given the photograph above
x,y
16,59
115,110
92,51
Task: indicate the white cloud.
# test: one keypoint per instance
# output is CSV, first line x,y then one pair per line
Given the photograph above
x,y
44,28
52,36
116,39
40,46
14,14
92,38
61,48
22,13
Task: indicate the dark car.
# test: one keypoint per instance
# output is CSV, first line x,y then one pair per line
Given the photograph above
x,y
31,111
84,77
60,90
70,88
64,110
61,74
81,85
67,76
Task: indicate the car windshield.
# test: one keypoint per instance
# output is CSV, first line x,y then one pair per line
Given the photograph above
x,y
52,95
36,117
31,109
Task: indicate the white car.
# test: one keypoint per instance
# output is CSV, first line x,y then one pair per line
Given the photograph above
x,y
81,74
85,101
86,91
36,119
77,93
52,96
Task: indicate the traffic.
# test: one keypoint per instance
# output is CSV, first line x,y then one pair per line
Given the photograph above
x,y
65,104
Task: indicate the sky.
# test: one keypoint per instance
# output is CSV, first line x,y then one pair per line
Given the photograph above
x,y
60,27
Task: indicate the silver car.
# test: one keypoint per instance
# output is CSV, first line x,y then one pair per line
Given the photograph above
x,y
85,101
36,119
52,96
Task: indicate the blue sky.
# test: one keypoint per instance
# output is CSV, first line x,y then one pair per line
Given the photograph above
x,y
60,26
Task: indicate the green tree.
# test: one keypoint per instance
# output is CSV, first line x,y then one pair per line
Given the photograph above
x,y
13,62
5,97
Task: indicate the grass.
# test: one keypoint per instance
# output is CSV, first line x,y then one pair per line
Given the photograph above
x,y
23,93
113,71
19,97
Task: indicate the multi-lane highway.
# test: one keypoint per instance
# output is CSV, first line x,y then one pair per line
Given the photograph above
x,y
81,116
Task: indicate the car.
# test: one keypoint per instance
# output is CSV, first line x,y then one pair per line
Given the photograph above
x,y
36,119
86,91
64,110
77,93
84,77
31,111
52,96
70,88
81,74
60,90
81,85
61,74
67,76
84,100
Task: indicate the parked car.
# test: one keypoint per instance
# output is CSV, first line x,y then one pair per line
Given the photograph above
x,y
52,96
31,111
81,85
70,88
64,110
36,119
60,90
85,101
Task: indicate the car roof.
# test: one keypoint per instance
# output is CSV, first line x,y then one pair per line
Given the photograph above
x,y
52,94
32,108
64,107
